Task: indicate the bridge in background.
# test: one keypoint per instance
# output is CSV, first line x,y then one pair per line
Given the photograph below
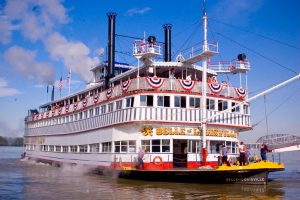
x,y
278,142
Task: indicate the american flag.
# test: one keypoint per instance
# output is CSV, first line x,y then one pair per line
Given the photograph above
x,y
59,85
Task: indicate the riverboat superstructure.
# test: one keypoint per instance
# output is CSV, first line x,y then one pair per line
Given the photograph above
x,y
163,107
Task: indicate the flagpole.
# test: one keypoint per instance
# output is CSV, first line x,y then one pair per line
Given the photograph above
x,y
69,81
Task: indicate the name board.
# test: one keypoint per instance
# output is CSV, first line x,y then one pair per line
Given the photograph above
x,y
150,131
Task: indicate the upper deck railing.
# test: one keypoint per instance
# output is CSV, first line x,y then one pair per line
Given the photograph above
x,y
236,66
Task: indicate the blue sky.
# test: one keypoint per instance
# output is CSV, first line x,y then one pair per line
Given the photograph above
x,y
40,41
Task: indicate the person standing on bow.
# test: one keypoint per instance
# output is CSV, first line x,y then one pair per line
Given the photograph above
x,y
263,151
140,158
242,150
224,155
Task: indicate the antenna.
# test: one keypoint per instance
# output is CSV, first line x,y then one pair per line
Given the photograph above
x,y
203,8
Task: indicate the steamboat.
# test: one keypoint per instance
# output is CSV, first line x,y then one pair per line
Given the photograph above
x,y
175,110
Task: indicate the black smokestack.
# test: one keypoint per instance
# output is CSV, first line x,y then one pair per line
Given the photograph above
x,y
167,28
111,48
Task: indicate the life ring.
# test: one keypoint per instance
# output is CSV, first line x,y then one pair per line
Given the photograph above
x,y
157,160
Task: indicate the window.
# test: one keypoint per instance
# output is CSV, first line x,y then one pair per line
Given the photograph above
x,y
163,101
194,146
165,144
119,105
155,145
180,101
129,102
94,147
246,109
106,147
121,146
91,112
67,119
75,117
232,147
146,100
51,148
210,104
83,148
110,107
103,109
65,148
74,148
194,102
236,109
80,115
58,148
146,145
222,105
132,146
97,111
85,114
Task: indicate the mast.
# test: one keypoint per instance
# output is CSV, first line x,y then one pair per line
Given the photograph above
x,y
204,78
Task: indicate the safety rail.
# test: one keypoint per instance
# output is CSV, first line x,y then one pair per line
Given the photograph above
x,y
236,66
135,114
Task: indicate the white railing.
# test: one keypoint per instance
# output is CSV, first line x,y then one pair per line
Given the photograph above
x,y
154,114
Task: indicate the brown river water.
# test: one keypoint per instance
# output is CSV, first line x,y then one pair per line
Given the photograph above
x,y
34,181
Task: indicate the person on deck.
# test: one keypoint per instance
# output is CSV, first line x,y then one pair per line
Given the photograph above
x,y
263,151
224,155
242,150
140,158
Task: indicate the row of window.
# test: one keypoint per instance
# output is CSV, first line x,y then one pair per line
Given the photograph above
x,y
129,146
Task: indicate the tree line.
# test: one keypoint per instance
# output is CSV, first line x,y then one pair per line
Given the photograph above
x,y
8,141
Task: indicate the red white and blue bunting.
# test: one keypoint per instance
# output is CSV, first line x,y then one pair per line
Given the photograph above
x,y
187,84
75,106
109,92
125,85
241,92
155,82
96,97
67,108
215,88
84,102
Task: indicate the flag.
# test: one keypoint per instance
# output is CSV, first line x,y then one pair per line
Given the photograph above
x,y
59,85
69,77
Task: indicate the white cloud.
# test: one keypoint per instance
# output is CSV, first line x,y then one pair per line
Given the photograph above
x,y
74,54
24,61
135,11
5,90
34,18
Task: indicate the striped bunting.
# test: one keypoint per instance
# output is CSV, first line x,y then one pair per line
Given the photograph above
x,y
125,85
155,82
241,92
187,84
215,88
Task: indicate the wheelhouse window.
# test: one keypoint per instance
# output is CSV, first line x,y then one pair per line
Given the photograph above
x,y
222,105
236,109
163,101
146,100
129,102
106,147
210,104
180,101
194,102
119,105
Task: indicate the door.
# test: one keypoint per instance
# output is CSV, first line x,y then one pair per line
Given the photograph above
x,y
179,153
